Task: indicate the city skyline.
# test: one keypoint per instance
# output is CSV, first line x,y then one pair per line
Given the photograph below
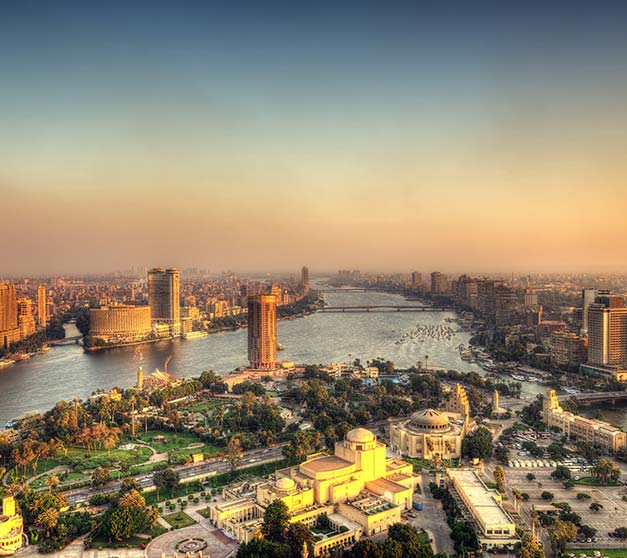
x,y
257,138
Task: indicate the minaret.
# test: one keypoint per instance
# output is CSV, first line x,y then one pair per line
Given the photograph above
x,y
495,401
140,378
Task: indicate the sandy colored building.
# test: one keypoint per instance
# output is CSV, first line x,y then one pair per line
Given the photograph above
x,y
9,328
262,332
164,294
360,490
42,316
25,317
11,528
120,322
496,529
577,427
430,432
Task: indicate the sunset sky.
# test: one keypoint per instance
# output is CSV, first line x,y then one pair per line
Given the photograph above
x,y
262,136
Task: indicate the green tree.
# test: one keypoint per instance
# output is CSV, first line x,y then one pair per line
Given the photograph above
x,y
168,479
367,549
275,521
561,533
595,507
262,548
100,476
499,479
234,453
297,537
478,444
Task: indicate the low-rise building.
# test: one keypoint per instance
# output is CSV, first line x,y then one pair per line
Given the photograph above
x,y
120,322
495,528
594,431
11,528
567,349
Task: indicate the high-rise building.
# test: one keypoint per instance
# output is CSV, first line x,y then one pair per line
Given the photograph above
x,y
531,299
567,349
120,323
588,297
42,315
262,333
416,278
164,294
607,332
305,278
9,327
25,317
439,283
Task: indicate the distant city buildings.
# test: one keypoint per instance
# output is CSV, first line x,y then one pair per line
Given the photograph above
x,y
416,278
567,349
164,293
262,331
439,283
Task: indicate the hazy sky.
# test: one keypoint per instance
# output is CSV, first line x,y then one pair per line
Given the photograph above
x,y
261,136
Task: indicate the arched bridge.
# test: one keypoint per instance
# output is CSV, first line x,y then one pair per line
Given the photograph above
x,y
381,308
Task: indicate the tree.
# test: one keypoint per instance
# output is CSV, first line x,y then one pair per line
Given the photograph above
x,y
366,548
52,481
560,533
297,537
168,479
499,478
620,532
530,547
531,477
275,521
262,548
605,471
410,541
127,516
234,453
561,473
478,444
595,507
546,495
502,454
583,496
100,476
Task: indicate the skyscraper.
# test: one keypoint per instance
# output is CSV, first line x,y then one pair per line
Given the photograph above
x,y
262,332
164,298
305,278
588,297
9,328
439,283
42,316
416,278
607,333
25,317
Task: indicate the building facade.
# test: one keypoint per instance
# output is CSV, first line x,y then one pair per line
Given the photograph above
x,y
164,298
439,283
568,349
496,529
42,301
262,332
25,317
11,528
120,323
360,490
9,327
607,333
304,279
576,427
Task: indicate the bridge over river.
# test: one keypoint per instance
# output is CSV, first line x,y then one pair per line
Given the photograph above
x,y
596,397
382,308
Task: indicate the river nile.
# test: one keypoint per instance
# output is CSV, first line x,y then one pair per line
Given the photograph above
x,y
67,371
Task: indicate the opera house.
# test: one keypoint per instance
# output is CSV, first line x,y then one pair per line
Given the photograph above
x,y
361,491
430,432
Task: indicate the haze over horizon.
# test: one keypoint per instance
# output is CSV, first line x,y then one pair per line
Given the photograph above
x,y
479,138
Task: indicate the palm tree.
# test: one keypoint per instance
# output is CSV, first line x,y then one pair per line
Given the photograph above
x,y
52,481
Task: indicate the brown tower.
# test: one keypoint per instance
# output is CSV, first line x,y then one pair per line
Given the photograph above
x,y
262,332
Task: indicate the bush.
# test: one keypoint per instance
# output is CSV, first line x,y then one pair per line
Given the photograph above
x,y
583,496
546,495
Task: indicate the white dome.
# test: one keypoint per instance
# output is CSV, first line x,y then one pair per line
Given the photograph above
x,y
360,435
285,484
429,419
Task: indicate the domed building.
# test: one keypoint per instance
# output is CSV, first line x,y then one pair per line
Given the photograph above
x,y
360,489
430,432
11,528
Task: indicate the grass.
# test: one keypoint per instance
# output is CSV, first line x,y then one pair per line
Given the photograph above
x,y
173,440
591,481
202,407
136,541
204,512
178,520
70,477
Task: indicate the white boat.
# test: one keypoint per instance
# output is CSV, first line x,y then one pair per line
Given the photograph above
x,y
195,334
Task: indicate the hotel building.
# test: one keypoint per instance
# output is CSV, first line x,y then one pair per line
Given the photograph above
x,y
594,431
305,279
262,332
120,323
360,490
25,317
164,294
495,528
42,315
9,327
607,337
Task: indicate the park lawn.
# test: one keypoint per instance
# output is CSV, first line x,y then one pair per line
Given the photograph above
x,y
173,440
136,541
610,552
591,481
178,520
71,477
181,491
204,512
204,406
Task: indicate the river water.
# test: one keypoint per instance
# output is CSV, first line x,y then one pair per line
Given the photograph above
x,y
67,371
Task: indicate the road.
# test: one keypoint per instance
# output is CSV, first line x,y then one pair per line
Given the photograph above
x,y
253,457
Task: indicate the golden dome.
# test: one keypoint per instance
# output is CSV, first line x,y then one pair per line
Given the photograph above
x,y
429,419
285,484
360,436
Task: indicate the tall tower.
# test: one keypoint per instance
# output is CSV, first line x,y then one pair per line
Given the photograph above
x,y
164,298
25,317
262,332
304,274
42,317
9,328
607,332
495,401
